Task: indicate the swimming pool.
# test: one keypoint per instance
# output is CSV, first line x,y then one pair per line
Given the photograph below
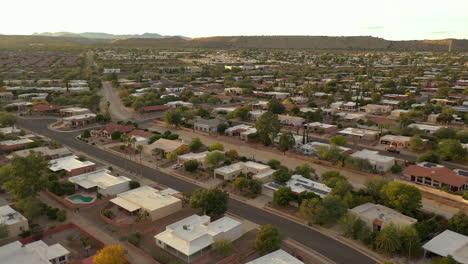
x,y
78,198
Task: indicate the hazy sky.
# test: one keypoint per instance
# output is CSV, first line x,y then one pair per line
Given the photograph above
x,y
390,19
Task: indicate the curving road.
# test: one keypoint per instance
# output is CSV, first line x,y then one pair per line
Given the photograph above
x,y
324,245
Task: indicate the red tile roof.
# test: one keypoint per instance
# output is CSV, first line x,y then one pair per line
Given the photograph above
x,y
155,108
440,174
112,127
45,108
140,133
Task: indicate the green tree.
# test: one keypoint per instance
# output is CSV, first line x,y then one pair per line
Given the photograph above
x,y
451,149
7,119
30,207
326,211
240,183
445,118
223,246
232,154
459,223
274,164
376,97
462,135
388,241
215,158
216,146
173,117
416,144
374,187
202,112
429,156
283,196
445,132
305,170
267,240
444,260
222,127
338,140
329,153
25,176
352,226
172,156
86,134
268,125
282,174
195,144
286,141
212,202
116,135
410,241
402,197
191,165
275,106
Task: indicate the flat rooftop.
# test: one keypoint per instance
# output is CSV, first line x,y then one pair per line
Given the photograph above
x,y
100,178
145,197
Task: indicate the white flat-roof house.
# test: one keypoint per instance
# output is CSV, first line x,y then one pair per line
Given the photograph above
x,y
14,222
311,148
259,171
71,165
379,162
101,181
36,252
298,185
376,216
448,243
428,129
189,238
158,204
359,133
277,257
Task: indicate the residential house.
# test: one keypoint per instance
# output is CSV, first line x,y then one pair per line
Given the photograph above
x,y
276,257
288,120
9,131
359,133
377,216
398,112
448,244
198,157
379,162
158,204
10,145
6,96
258,171
14,222
73,111
436,176
46,109
206,125
256,114
71,165
233,91
177,104
427,129
155,108
46,151
310,148
321,127
113,127
376,109
398,141
299,185
165,145
102,182
79,120
36,252
242,131
193,236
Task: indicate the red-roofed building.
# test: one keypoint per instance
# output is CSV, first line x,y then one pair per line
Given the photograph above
x,y
155,108
140,133
46,109
436,176
113,127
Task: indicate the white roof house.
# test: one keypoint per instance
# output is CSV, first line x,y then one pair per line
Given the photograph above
x,y
158,204
277,257
103,180
68,164
376,216
35,253
426,128
46,151
14,221
191,235
16,142
379,162
259,171
9,130
449,243
311,147
298,185
359,132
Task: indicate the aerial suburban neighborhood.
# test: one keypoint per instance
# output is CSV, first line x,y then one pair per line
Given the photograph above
x,y
138,149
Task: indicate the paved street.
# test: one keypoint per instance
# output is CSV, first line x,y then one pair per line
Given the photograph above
x,y
326,246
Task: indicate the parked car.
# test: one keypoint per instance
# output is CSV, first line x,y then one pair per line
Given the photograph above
x,y
176,166
393,150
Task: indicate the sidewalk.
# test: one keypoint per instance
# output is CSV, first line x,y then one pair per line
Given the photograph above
x,y
133,256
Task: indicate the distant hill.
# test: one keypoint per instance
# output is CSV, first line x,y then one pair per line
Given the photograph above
x,y
97,35
64,39
301,42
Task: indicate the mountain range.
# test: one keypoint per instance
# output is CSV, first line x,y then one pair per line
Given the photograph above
x,y
153,40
